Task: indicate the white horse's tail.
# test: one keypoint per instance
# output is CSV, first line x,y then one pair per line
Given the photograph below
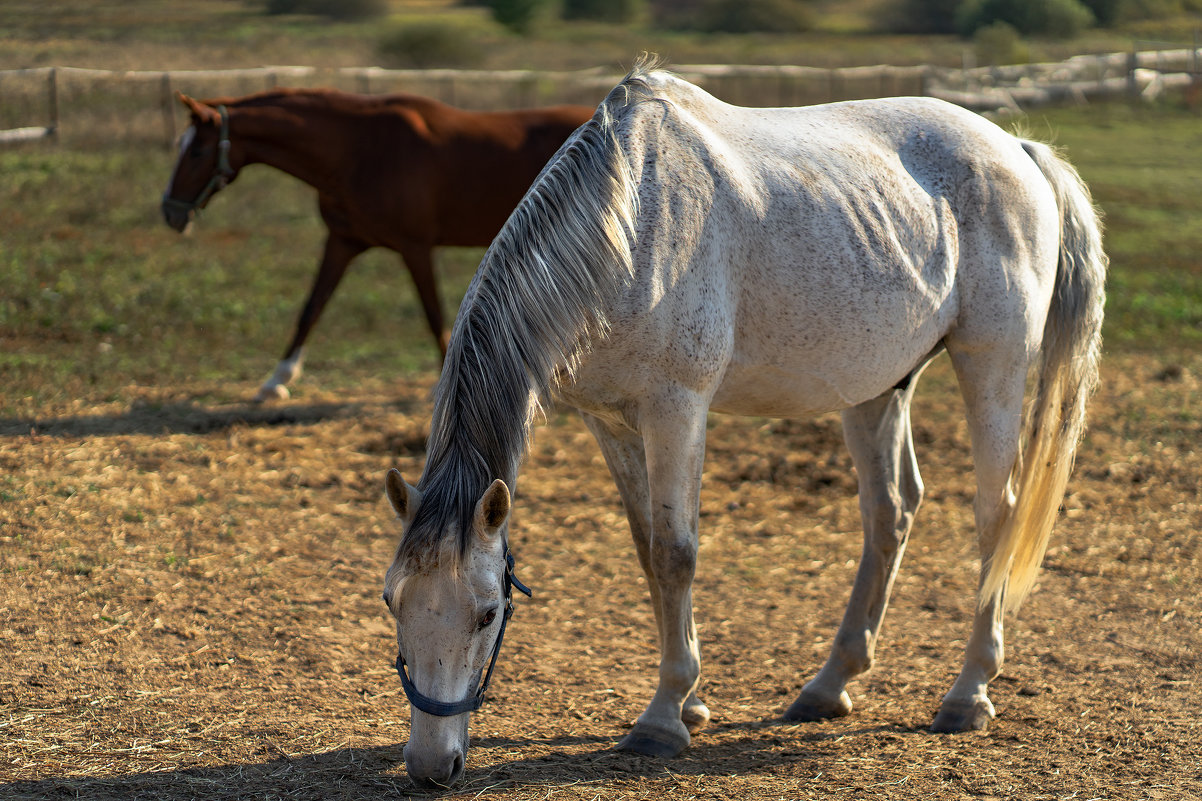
x,y
1068,373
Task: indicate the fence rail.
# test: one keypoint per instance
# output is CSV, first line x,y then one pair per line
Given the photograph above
x,y
83,105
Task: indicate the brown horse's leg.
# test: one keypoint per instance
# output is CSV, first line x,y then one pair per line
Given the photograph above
x,y
420,261
337,255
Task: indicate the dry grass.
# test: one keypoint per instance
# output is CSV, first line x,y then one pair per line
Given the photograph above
x,y
191,596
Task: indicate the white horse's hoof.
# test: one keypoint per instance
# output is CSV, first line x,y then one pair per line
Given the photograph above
x,y
810,707
654,742
961,716
270,392
695,715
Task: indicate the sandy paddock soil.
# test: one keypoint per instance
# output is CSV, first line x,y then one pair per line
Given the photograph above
x,y
189,608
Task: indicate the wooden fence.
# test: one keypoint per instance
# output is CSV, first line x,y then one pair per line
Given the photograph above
x,y
87,105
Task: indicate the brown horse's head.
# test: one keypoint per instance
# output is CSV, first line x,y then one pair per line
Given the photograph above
x,y
204,164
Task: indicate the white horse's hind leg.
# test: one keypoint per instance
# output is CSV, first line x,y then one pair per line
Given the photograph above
x,y
878,435
992,385
623,452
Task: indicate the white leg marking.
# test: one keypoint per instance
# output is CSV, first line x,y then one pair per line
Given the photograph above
x,y
286,371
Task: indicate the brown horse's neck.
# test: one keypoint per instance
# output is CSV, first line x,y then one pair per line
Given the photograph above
x,y
308,144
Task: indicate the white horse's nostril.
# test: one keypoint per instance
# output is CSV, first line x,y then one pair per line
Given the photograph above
x,y
456,768
439,773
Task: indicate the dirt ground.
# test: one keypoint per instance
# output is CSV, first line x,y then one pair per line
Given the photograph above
x,y
189,608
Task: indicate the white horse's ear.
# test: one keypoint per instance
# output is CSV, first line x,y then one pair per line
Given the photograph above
x,y
493,509
403,497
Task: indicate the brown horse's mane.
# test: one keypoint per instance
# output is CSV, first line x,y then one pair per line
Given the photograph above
x,y
325,98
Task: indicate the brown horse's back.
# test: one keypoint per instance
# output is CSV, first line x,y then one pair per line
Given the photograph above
x,y
484,162
398,171
419,172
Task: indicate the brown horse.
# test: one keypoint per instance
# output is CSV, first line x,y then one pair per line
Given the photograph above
x,y
397,171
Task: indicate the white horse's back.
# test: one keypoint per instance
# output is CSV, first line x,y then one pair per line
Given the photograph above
x,y
823,252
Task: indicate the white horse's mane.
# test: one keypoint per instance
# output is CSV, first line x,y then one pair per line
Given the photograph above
x,y
539,297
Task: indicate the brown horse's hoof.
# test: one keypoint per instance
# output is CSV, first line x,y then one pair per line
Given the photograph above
x,y
653,742
956,717
810,707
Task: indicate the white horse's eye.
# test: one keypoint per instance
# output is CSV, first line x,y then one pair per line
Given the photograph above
x,y
488,618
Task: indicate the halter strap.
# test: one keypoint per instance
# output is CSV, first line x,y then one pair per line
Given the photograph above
x,y
221,175
445,709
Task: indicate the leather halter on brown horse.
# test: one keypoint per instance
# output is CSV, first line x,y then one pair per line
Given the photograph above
x,y
398,171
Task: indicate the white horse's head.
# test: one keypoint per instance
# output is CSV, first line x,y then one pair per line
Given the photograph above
x,y
450,610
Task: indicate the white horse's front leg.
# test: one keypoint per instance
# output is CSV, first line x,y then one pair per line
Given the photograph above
x,y
627,460
675,451
288,370
878,435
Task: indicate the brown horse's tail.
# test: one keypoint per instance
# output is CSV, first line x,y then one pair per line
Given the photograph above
x,y
1068,373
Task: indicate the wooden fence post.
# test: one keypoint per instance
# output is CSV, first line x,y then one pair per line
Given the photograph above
x,y
1132,65
52,98
167,108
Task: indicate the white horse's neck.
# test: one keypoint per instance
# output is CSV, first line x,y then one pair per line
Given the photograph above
x,y
541,293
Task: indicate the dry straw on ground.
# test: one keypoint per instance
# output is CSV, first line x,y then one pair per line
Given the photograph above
x,y
191,609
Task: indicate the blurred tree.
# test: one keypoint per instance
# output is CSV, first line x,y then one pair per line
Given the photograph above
x,y
733,16
921,16
603,10
422,45
517,15
672,13
330,9
1055,18
999,43
1106,12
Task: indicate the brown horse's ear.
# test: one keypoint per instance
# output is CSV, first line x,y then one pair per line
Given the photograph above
x,y
200,112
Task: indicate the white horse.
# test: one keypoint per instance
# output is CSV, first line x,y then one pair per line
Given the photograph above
x,y
681,255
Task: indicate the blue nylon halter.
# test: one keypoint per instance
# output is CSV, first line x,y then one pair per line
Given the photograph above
x,y
444,709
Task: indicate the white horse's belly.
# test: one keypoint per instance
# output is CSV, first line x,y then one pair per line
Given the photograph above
x,y
771,392
799,387
835,337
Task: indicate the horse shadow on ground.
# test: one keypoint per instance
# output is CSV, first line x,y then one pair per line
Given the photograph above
x,y
378,772
191,416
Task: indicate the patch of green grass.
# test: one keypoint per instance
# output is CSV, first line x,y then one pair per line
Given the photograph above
x,y
75,566
98,294
1141,163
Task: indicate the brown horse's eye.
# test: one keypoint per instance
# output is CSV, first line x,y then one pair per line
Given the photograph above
x,y
488,618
